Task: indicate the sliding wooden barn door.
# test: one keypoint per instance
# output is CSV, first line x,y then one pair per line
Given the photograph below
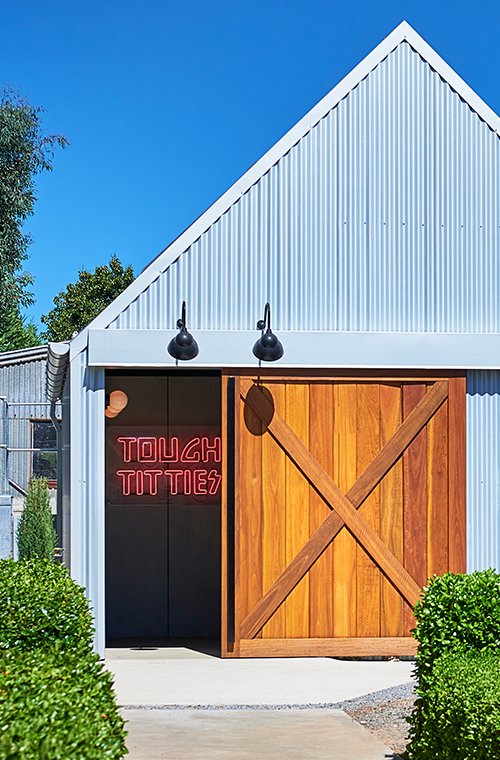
x,y
343,496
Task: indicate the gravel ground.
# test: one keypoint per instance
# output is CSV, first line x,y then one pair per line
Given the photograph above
x,y
383,713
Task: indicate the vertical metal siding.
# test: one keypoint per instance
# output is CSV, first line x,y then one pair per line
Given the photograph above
x,y
23,381
87,486
483,462
385,216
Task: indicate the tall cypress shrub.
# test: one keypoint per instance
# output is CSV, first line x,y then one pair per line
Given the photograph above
x,y
36,537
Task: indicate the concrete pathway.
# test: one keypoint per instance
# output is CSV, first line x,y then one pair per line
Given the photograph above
x,y
179,676
249,735
150,681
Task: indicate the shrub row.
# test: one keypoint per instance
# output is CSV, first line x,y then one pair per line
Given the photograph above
x,y
458,613
39,605
457,714
57,705
56,700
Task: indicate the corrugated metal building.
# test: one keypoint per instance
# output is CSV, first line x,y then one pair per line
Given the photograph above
x,y
373,230
26,428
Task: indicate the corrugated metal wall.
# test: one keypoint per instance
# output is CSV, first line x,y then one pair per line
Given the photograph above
x,y
483,463
385,216
22,381
86,556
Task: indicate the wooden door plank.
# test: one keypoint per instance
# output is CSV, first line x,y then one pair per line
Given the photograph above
x,y
321,427
274,512
413,424
391,510
344,544
457,470
415,499
224,536
334,497
250,498
343,647
297,511
437,493
237,517
367,448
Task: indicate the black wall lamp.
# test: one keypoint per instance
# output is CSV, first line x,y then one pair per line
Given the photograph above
x,y
268,348
183,346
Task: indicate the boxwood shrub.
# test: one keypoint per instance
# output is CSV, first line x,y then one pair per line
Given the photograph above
x,y
57,704
458,613
40,604
457,715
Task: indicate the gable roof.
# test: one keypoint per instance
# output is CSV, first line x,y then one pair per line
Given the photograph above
x,y
403,33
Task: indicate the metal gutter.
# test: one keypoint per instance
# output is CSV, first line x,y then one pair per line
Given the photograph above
x,y
57,368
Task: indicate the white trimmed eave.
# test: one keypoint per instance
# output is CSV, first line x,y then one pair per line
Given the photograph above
x,y
303,349
403,32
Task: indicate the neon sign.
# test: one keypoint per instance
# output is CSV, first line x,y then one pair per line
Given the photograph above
x,y
179,467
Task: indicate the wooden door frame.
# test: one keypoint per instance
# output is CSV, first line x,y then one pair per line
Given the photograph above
x,y
255,647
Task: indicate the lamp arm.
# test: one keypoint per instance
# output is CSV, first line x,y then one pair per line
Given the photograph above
x,y
261,324
181,323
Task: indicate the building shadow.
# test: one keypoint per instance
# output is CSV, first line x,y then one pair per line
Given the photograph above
x,y
205,644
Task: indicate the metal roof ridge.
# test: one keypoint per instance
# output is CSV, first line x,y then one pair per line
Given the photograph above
x,y
22,355
403,32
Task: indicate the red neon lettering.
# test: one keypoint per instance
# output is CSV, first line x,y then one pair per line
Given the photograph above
x,y
214,480
215,450
152,476
146,449
200,482
173,480
187,482
139,482
173,455
188,455
126,476
127,447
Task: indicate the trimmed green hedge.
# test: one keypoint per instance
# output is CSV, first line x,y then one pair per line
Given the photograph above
x,y
57,704
40,604
458,613
457,716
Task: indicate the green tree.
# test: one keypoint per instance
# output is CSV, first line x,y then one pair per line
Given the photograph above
x,y
17,332
25,150
36,537
80,303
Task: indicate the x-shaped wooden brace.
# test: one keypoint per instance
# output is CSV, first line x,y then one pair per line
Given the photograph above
x,y
344,507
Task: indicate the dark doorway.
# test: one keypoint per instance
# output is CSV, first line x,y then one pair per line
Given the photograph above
x,y
163,508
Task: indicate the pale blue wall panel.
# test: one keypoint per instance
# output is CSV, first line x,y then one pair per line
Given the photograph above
x,y
483,461
87,478
385,216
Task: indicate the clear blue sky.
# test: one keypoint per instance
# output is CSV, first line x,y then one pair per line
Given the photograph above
x,y
167,103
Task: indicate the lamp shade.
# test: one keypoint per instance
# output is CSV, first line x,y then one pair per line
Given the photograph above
x,y
183,346
118,400
268,348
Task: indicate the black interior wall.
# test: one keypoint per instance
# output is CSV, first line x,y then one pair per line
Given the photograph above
x,y
163,556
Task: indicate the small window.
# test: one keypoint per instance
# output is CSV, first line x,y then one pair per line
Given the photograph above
x,y
45,461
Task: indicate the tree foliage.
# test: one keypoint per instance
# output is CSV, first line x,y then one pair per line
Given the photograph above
x,y
36,537
80,303
16,331
25,150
